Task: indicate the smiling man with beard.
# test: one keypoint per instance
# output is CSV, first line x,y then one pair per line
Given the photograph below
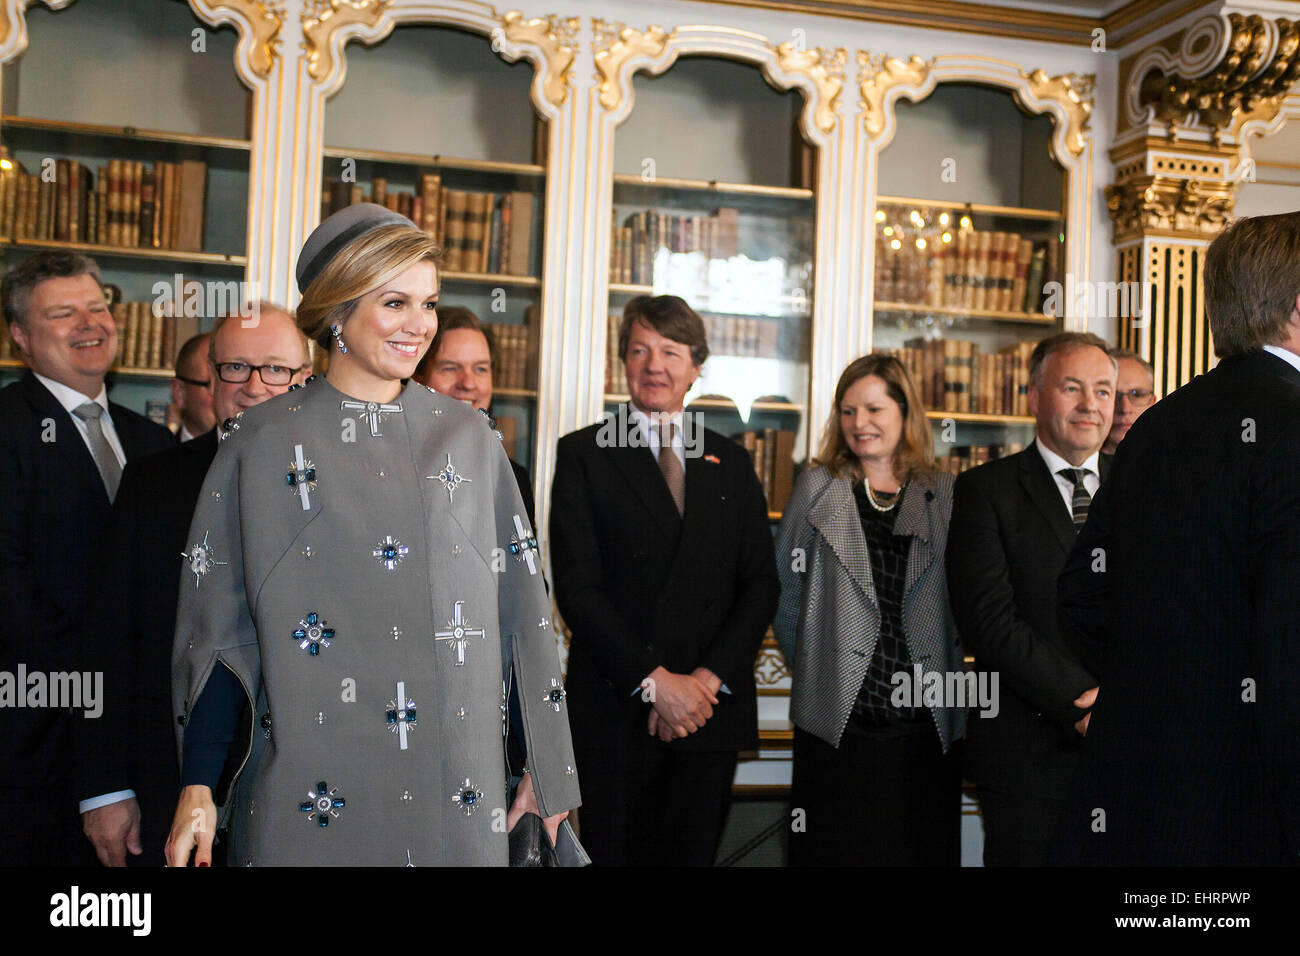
x,y
62,449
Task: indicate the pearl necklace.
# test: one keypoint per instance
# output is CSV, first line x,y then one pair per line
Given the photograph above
x,y
897,496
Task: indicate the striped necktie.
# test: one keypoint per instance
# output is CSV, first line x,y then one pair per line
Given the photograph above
x,y
1079,499
105,459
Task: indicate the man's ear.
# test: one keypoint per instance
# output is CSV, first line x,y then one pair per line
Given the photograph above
x,y
20,337
1033,400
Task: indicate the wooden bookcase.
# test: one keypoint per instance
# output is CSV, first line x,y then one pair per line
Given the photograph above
x,y
456,81
739,252
149,90
962,253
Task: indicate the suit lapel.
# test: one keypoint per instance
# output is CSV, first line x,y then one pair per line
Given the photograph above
x,y
127,432
74,457
703,504
1041,488
835,516
914,519
642,473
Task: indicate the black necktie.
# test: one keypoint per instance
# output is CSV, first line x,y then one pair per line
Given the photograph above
x,y
1080,499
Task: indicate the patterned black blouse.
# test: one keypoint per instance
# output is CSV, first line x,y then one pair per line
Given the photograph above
x,y
888,553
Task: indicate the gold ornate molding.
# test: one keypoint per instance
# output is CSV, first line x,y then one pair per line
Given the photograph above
x,y
825,68
1075,93
1260,62
265,20
557,38
878,73
320,18
1148,203
770,668
13,15
614,45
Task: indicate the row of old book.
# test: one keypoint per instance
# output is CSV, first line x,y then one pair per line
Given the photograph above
x,y
772,452
149,339
634,244
953,375
744,336
739,335
515,349
615,374
485,233
965,457
128,204
997,271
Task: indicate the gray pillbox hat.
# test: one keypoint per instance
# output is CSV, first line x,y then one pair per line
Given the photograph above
x,y
329,238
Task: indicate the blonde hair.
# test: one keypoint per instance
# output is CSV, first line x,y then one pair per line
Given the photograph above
x,y
915,451
360,267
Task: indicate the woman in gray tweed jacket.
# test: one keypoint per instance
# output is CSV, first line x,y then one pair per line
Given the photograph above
x,y
865,624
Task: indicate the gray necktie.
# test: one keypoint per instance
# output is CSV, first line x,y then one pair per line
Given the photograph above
x,y
671,466
100,449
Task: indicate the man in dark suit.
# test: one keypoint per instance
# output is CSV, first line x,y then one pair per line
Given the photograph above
x,y
1014,521
192,387
127,773
1184,589
664,572
62,449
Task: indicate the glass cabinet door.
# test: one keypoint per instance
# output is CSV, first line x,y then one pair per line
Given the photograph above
x,y
968,268
447,162
739,250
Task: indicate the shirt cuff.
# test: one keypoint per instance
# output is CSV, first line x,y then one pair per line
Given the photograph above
x,y
117,796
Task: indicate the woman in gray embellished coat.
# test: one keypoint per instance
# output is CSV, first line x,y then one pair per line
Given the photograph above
x,y
363,577
865,624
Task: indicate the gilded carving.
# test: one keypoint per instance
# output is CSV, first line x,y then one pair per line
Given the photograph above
x,y
1164,203
265,21
770,668
878,74
1260,64
13,13
320,18
615,45
1072,91
557,38
825,68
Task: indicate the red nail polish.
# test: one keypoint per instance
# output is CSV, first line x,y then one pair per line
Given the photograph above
x,y
203,864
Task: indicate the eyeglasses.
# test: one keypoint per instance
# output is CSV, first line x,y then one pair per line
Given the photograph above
x,y
238,372
193,381
1139,397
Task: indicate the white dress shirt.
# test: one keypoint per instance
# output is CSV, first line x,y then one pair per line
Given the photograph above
x,y
1091,480
1284,355
651,434
70,398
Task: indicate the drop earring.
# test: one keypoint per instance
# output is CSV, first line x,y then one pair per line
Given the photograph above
x,y
338,335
